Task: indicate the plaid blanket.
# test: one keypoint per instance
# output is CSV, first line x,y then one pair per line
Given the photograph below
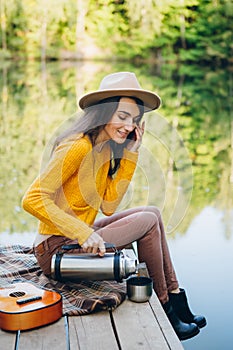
x,y
18,263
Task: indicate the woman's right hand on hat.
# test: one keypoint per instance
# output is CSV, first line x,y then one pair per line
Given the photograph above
x,y
94,244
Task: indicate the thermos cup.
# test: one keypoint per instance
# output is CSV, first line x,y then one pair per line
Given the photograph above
x,y
139,288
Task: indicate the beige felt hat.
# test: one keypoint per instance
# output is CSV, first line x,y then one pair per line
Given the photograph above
x,y
121,84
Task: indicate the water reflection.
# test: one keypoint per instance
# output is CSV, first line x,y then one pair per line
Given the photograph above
x,y
204,260
186,167
190,136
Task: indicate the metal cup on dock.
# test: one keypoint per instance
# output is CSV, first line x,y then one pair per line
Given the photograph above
x,y
139,288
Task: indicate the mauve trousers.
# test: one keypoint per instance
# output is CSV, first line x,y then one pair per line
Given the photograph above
x,y
141,224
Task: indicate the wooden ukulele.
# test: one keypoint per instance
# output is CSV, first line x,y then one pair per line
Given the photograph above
x,y
24,306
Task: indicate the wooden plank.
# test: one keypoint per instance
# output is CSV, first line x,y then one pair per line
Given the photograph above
x,y
166,328
51,337
92,332
137,327
7,340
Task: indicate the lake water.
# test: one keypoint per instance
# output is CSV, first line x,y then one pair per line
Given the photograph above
x,y
204,261
186,168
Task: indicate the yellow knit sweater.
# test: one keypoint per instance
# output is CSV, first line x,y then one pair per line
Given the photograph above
x,y
67,196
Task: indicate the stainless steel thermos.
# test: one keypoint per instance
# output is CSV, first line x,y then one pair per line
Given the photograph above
x,y
75,267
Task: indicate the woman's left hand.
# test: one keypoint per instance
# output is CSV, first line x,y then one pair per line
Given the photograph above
x,y
134,145
94,244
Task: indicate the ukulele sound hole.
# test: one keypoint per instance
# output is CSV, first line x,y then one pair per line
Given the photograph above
x,y
17,294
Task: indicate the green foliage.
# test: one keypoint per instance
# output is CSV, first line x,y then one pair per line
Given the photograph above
x,y
210,36
183,30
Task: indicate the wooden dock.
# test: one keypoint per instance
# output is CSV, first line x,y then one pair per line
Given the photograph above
x,y
131,326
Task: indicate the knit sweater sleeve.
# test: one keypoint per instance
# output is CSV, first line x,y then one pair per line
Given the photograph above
x,y
39,200
117,186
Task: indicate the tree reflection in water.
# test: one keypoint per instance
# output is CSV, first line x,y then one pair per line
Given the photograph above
x,y
186,166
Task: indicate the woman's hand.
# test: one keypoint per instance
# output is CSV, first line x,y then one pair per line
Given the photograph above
x,y
94,244
134,145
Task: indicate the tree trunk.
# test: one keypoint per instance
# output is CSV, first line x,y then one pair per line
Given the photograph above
x,y
3,24
44,34
80,27
182,26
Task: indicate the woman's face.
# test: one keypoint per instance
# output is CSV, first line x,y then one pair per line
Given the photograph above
x,y
123,121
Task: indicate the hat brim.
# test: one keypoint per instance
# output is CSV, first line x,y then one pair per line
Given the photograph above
x,y
150,100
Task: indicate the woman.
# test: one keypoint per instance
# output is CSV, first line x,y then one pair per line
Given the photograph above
x,y
90,169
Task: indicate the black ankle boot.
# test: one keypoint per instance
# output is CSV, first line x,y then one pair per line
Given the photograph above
x,y
180,306
183,330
